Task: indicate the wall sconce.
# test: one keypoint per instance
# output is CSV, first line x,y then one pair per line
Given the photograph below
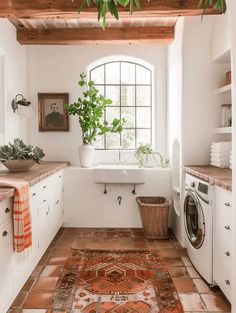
x,y
19,100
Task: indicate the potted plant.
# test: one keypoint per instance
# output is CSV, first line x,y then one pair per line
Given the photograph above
x,y
143,152
18,156
90,110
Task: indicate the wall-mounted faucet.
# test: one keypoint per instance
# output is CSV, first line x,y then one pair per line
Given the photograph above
x,y
119,198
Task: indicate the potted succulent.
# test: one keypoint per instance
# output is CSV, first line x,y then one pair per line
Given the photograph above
x,y
90,110
18,156
142,154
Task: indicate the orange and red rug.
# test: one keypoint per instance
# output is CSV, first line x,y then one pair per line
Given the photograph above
x,y
96,281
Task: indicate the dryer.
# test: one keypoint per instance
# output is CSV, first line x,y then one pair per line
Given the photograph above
x,y
198,220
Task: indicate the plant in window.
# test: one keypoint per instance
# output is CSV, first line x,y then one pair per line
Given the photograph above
x,y
143,152
90,110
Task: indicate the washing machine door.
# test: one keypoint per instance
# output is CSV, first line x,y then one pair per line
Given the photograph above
x,y
194,219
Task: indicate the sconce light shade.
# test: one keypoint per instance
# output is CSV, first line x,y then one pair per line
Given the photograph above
x,y
22,101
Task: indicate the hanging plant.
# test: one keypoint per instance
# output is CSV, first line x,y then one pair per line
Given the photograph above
x,y
110,6
219,5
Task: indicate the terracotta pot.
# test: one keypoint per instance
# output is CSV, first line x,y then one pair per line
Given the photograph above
x,y
18,165
86,153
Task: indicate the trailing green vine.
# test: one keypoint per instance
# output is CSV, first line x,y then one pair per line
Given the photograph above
x,y
219,5
112,7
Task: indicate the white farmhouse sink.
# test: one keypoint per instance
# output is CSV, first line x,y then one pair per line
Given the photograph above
x,y
118,174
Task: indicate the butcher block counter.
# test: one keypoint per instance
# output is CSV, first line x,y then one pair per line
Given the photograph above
x,y
37,173
221,177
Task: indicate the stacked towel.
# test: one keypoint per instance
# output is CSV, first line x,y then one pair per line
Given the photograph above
x,y
22,232
220,154
230,160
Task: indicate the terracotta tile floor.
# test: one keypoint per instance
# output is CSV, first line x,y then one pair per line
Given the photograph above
x,y
195,294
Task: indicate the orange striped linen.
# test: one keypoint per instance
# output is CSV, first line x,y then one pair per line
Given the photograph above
x,y
22,231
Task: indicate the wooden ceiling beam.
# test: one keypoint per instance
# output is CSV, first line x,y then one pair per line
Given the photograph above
x,y
69,9
75,36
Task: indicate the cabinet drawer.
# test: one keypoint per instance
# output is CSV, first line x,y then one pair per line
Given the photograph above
x,y
6,210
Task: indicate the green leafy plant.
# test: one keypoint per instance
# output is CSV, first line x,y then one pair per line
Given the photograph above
x,y
143,152
90,111
20,151
219,5
111,6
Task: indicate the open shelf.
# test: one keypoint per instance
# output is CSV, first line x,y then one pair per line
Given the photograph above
x,y
224,90
223,130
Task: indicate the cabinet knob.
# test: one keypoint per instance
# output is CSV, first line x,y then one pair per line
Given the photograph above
x,y
227,282
44,200
7,210
60,176
5,233
34,194
44,187
227,204
227,253
57,201
227,227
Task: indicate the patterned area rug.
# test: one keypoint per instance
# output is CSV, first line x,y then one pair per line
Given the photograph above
x,y
95,281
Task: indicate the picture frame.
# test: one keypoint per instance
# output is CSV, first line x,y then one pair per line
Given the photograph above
x,y
52,114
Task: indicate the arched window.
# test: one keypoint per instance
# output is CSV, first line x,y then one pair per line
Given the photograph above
x,y
129,86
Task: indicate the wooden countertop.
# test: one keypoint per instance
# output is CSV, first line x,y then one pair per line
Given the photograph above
x,y
221,177
37,173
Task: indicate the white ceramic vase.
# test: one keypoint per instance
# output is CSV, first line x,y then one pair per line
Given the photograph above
x,y
86,153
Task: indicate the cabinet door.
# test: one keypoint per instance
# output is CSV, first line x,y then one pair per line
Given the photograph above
x,y
223,240
6,210
6,273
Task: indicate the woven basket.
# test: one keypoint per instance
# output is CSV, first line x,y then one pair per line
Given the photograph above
x,y
154,213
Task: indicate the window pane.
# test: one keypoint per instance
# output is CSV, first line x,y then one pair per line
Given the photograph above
x,y
113,73
113,93
143,118
143,76
112,141
127,95
99,142
129,115
143,95
143,136
100,89
97,75
127,73
112,113
128,139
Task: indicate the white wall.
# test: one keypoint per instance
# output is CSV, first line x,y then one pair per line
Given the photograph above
x,y
201,106
102,210
12,82
221,42
175,90
57,69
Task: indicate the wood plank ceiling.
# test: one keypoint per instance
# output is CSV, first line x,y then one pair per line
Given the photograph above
x,y
58,21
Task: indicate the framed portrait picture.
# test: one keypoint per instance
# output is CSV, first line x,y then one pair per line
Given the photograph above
x,y
52,114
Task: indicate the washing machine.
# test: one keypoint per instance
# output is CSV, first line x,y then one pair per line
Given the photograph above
x,y
198,220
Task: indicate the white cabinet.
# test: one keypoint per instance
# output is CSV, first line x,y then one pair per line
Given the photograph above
x,y
223,240
46,205
6,251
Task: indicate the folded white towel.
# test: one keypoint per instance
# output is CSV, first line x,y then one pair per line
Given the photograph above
x,y
220,165
220,160
222,144
219,155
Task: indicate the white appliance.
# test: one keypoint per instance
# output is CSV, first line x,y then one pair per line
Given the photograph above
x,y
198,220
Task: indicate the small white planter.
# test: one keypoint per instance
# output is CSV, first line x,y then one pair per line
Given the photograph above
x,y
86,154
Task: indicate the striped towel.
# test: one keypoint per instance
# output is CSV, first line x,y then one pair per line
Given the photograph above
x,y
21,213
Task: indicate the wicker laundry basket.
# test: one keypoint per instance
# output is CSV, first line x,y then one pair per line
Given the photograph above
x,y
154,213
